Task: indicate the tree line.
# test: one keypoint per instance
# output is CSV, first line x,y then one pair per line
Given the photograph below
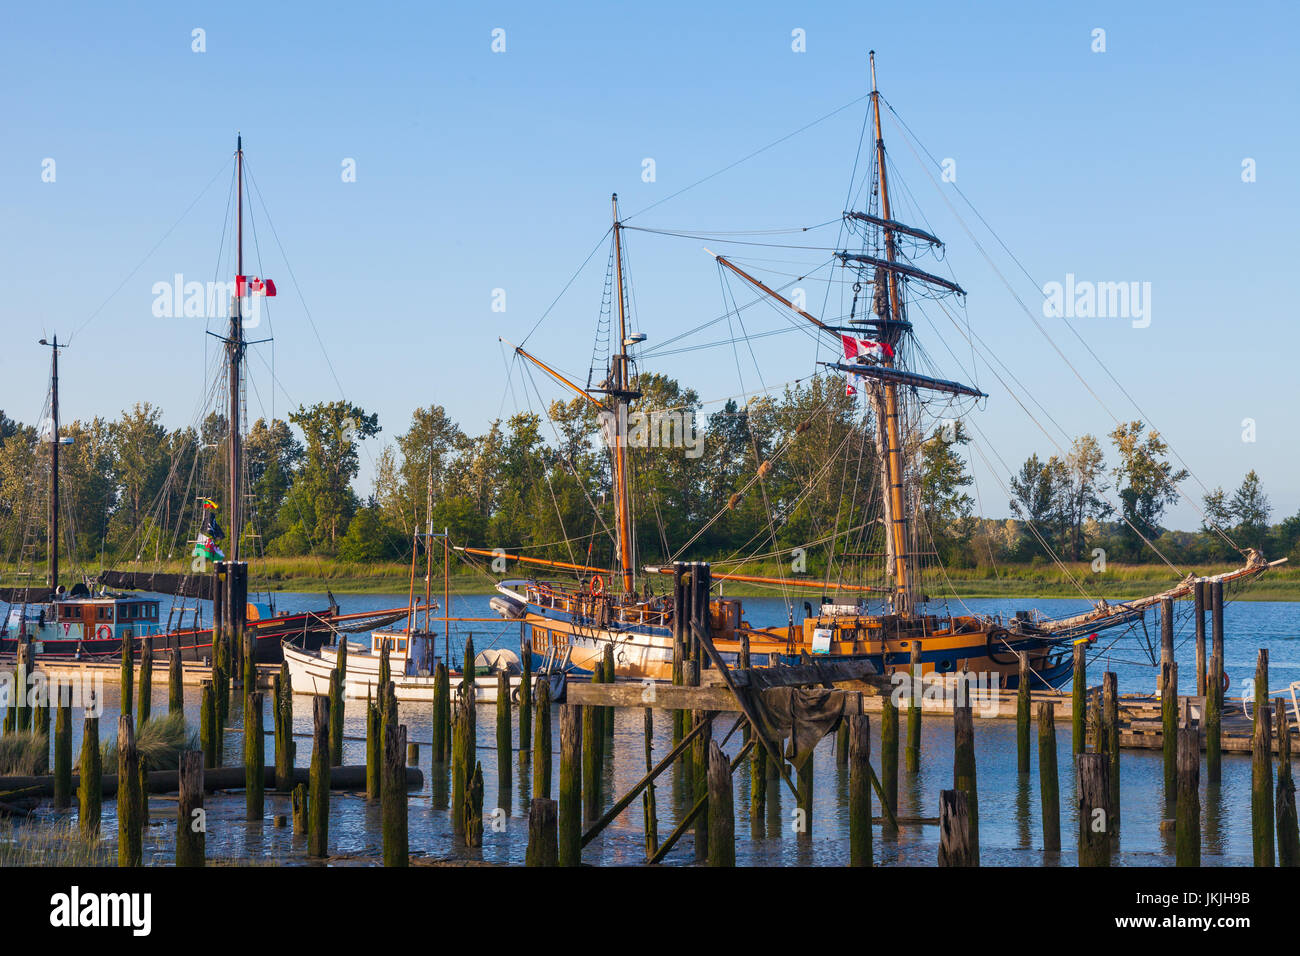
x,y
776,473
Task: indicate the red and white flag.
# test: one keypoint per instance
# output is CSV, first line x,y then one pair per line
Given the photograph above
x,y
252,285
861,348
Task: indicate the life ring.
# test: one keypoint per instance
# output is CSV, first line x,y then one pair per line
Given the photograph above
x,y
103,633
597,584
1226,680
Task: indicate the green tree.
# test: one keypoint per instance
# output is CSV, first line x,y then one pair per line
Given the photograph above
x,y
1251,508
1085,486
1147,481
331,433
945,507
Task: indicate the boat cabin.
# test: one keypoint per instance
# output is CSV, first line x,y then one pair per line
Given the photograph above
x,y
98,618
409,652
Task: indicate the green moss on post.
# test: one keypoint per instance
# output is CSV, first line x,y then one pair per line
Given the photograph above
x,y
1091,771
22,673
300,809
41,727
592,744
1288,833
336,718
570,784
254,759
1079,700
889,753
701,787
1214,723
1022,715
441,713
474,808
648,797
1187,831
542,742
208,723
393,795
543,837
175,683
721,809
63,750
1110,739
1048,779
1169,726
607,719
504,740
525,700
912,761
963,770
144,709
130,819
191,838
319,795
90,791
1261,768
374,752
284,745
860,849
127,682
467,669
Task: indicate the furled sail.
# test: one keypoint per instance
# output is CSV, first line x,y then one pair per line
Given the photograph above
x,y
160,582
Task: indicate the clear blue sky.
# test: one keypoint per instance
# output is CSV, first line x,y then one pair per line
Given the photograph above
x,y
478,171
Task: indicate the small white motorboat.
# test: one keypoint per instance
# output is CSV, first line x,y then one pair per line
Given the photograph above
x,y
411,660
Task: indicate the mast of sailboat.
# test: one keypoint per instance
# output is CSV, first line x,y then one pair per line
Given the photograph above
x,y
892,473
234,356
54,461
620,395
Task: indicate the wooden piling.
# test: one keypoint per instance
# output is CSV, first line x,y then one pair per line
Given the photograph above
x,y
300,809
474,808
175,683
525,698
63,749
441,713
191,829
393,790
41,728
1022,714
1110,739
285,748
912,761
703,719
319,791
1198,599
144,709
1288,833
1187,839
543,836
461,768
570,803
722,818
336,718
592,742
127,681
254,758
90,790
607,721
842,745
1169,725
648,799
1048,779
956,847
22,673
1216,622
860,848
963,770
1079,700
542,742
1093,786
504,739
208,723
130,819
889,752
1261,768
1214,722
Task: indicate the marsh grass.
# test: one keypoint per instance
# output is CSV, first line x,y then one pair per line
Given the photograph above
x,y
160,742
52,843
21,753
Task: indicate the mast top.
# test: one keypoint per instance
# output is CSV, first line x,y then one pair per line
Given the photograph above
x,y
871,56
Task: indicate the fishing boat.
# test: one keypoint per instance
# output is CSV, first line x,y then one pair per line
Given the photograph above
x,y
877,622
95,617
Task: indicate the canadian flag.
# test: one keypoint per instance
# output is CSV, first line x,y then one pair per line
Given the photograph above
x,y
861,348
252,285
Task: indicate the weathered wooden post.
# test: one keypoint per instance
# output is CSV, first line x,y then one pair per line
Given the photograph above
x,y
701,788
1048,778
963,770
175,683
300,809
336,718
145,707
22,673
191,829
912,761
525,696
1261,768
130,822
1166,630
1092,771
542,742
570,804
1169,725
648,798
209,734
1187,833
90,792
607,721
1079,700
393,789
1022,715
1214,722
127,682
504,740
681,615
1216,625
285,748
1288,833
461,768
474,808
956,847
63,748
860,848
319,795
722,818
1110,739
374,751
543,837
254,757
1198,597
592,742
441,713
842,745
41,728
889,754
220,662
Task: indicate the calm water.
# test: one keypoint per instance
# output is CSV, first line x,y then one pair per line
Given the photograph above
x,y
1010,826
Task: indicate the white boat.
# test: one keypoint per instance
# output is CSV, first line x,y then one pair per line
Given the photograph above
x,y
412,661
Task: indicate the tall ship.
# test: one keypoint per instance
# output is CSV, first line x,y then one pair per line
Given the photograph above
x,y
98,613
876,353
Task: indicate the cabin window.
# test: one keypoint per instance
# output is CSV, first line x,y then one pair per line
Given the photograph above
x,y
103,614
401,645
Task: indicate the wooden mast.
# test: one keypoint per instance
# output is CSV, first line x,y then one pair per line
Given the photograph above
x,y
620,395
234,355
54,462
893,458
